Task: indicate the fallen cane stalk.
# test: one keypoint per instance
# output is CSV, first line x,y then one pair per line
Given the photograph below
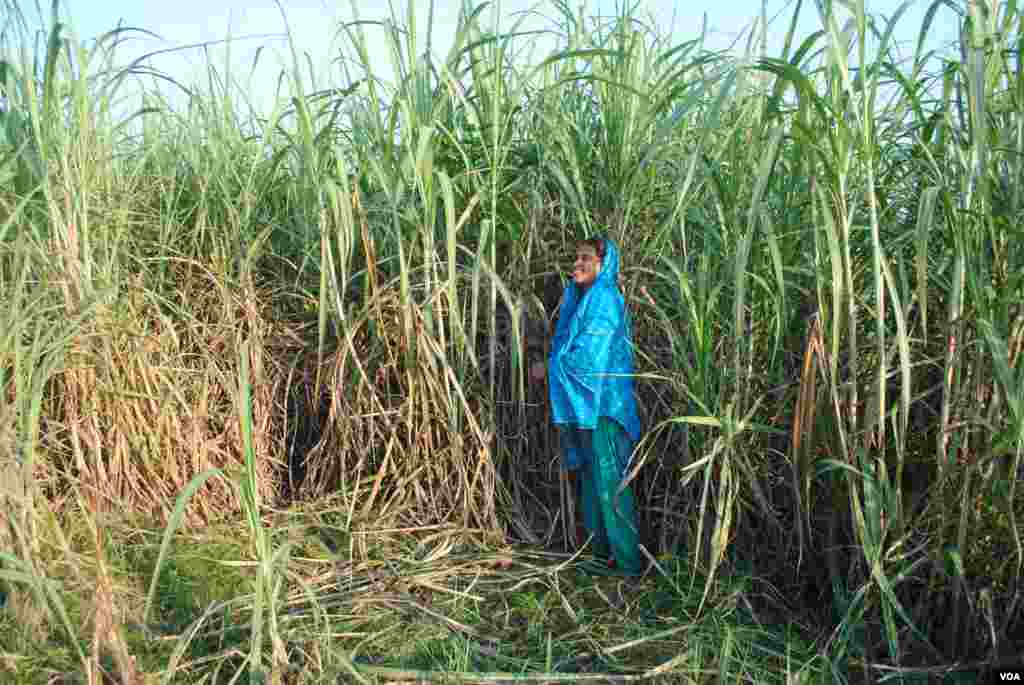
x,y
650,638
401,674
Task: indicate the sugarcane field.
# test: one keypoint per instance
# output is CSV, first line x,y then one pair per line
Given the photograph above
x,y
459,342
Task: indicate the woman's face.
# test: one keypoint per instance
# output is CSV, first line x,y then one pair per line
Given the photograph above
x,y
587,266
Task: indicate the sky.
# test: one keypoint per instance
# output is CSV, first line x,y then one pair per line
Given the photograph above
x,y
314,25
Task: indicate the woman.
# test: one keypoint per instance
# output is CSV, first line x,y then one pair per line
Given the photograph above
x,y
591,389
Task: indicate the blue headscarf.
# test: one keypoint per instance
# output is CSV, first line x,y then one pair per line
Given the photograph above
x,y
591,364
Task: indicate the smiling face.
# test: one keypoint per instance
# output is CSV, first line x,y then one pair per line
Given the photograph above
x,y
587,266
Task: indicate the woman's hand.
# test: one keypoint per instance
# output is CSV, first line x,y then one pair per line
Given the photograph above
x,y
537,371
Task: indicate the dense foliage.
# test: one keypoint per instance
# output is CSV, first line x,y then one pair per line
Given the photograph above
x,y
821,256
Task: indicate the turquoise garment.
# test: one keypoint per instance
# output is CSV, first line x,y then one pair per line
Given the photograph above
x,y
591,389
591,364
609,510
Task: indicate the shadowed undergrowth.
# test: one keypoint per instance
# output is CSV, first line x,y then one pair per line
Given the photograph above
x,y
418,601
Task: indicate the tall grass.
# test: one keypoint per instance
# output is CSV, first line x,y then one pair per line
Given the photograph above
x,y
819,260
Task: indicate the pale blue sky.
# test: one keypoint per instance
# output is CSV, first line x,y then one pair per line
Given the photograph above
x,y
314,24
